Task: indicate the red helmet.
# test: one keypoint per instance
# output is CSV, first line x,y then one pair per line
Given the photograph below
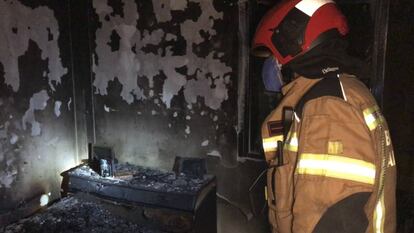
x,y
293,27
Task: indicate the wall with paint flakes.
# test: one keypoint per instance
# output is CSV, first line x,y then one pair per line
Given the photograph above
x,y
152,79
165,82
36,118
164,79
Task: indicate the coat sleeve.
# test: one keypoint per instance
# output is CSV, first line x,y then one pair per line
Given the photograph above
x,y
336,154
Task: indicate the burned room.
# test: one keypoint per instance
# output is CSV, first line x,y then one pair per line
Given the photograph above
x,y
206,116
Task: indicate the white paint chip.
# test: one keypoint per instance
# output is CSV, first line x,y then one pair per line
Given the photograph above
x,y
58,104
14,138
187,129
178,5
37,102
215,118
175,114
15,45
188,117
106,108
170,36
153,112
130,66
214,153
205,143
69,103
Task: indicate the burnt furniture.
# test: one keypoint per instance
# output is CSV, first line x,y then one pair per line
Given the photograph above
x,y
170,202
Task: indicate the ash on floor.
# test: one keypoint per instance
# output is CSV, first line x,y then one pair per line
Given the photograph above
x,y
73,214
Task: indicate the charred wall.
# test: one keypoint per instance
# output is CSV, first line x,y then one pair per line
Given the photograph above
x,y
36,101
164,79
152,79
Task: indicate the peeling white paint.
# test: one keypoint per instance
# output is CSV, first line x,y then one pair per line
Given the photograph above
x,y
178,4
188,117
14,138
37,102
109,109
128,66
187,129
69,103
205,143
13,14
7,178
175,114
214,153
57,108
121,64
170,37
215,118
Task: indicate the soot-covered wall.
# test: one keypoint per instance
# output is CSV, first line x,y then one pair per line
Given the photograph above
x,y
36,102
152,79
165,84
164,79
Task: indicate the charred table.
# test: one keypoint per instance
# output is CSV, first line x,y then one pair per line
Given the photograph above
x,y
171,202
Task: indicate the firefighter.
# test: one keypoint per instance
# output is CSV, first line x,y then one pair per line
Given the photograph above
x,y
327,145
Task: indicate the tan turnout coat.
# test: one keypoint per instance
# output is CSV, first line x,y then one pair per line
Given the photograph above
x,y
338,147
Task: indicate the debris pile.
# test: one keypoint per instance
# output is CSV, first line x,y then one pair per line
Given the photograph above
x,y
147,178
74,214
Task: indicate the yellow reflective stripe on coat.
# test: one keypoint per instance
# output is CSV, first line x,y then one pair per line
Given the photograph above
x,y
373,117
336,167
379,215
292,143
270,144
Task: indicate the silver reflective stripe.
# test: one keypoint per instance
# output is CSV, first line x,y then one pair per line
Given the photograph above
x,y
334,166
270,143
292,143
373,117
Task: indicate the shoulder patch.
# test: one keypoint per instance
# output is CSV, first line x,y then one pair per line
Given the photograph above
x,y
275,128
